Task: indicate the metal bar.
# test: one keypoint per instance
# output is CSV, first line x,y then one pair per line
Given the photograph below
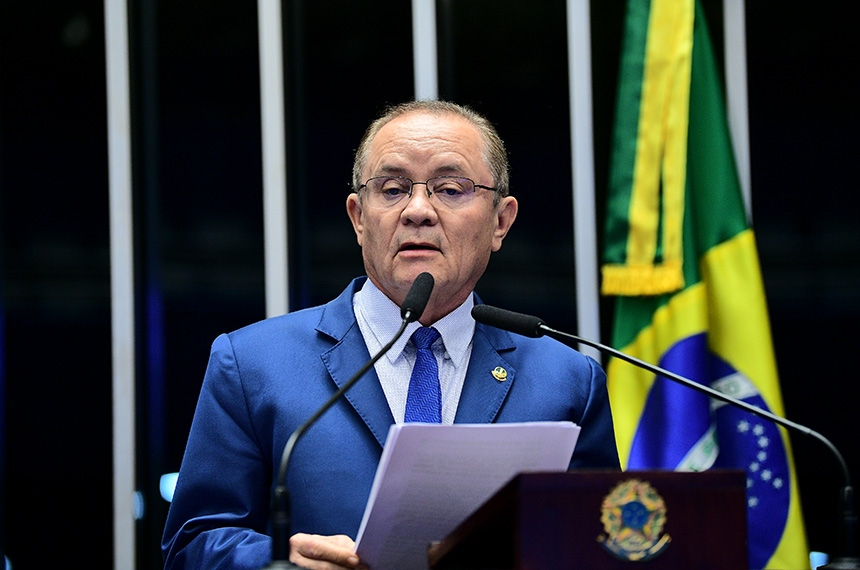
x,y
582,170
424,49
734,23
122,280
276,250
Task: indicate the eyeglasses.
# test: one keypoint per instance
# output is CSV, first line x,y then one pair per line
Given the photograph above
x,y
453,191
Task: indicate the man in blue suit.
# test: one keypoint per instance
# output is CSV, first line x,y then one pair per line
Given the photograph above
x,y
431,194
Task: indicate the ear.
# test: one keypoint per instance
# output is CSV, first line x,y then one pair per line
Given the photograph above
x,y
354,211
506,213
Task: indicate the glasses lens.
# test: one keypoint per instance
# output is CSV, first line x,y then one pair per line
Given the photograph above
x,y
386,191
452,191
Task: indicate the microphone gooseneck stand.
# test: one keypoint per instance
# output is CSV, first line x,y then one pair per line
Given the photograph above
x,y
534,327
411,310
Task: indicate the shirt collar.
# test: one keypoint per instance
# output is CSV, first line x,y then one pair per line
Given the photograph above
x,y
456,328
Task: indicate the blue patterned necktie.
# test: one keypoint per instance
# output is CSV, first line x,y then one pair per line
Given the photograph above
x,y
424,399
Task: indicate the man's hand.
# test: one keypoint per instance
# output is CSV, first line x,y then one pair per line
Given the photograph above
x,y
317,552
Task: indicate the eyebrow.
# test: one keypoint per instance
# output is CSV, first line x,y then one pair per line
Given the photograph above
x,y
450,169
444,170
392,171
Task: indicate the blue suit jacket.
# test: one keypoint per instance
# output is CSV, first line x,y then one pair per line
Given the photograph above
x,y
265,380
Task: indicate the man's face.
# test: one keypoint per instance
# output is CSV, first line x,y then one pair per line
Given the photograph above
x,y
421,234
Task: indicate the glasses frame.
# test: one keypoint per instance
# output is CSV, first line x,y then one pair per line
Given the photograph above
x,y
426,184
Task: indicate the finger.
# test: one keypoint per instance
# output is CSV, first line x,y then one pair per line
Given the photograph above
x,y
323,552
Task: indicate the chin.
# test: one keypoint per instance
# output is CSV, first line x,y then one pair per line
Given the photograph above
x,y
407,275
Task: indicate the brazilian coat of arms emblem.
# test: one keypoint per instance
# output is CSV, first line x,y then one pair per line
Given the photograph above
x,y
633,516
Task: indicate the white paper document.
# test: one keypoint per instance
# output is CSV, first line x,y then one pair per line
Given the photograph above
x,y
432,477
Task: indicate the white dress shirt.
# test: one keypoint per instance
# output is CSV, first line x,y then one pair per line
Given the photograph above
x,y
379,318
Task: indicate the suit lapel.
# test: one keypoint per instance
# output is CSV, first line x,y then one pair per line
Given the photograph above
x,y
483,393
366,395
344,359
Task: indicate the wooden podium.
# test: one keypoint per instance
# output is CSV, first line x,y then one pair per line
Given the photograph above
x,y
596,519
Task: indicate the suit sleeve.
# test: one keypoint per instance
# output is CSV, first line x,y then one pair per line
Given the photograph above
x,y
595,448
220,507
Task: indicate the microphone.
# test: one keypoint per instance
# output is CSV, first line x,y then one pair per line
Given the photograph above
x,y
416,299
410,311
510,321
534,327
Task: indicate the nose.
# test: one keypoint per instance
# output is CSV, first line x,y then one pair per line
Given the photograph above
x,y
419,208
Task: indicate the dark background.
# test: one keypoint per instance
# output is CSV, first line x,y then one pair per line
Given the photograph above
x,y
198,226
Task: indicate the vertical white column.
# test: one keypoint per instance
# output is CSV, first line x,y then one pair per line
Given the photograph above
x,y
122,280
274,157
424,49
734,24
582,175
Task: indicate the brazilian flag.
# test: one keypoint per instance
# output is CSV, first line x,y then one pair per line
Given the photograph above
x,y
681,257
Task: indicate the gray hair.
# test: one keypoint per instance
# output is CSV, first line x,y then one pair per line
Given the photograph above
x,y
495,156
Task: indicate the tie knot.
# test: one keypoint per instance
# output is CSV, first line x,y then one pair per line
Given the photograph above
x,y
424,337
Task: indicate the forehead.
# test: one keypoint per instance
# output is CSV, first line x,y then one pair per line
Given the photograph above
x,y
427,141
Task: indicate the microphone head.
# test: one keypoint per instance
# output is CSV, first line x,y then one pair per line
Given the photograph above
x,y
519,323
417,297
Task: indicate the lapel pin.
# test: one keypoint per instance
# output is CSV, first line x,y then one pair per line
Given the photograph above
x,y
500,374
